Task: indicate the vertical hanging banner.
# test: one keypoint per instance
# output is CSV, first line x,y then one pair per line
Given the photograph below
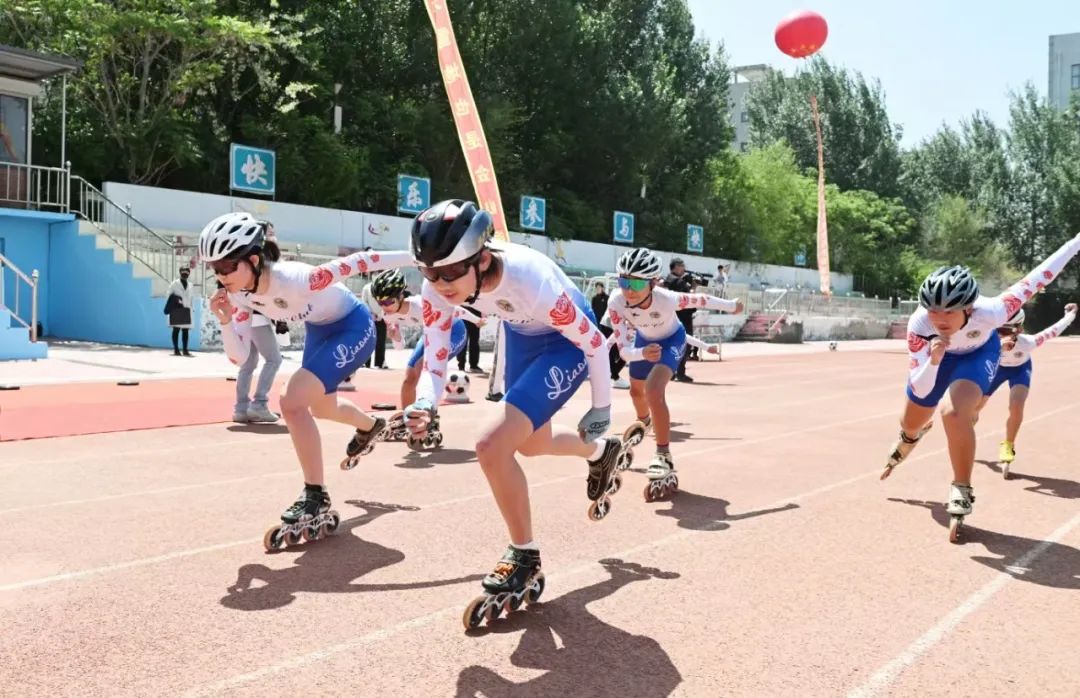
x,y
822,224
466,118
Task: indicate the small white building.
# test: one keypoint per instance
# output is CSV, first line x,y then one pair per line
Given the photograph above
x,y
742,79
1064,69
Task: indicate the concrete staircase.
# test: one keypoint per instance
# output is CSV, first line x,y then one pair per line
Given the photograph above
x,y
758,325
15,340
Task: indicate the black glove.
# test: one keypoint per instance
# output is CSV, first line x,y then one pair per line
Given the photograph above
x,y
281,327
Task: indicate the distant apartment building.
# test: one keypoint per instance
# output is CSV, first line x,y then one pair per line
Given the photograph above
x,y
1064,69
742,78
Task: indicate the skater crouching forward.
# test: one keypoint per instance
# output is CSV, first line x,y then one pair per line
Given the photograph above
x,y
655,352
552,344
953,347
340,337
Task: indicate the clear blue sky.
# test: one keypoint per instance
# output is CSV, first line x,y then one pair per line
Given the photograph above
x,y
937,60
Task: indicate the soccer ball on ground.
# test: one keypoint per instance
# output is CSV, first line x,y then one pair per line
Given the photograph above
x,y
457,387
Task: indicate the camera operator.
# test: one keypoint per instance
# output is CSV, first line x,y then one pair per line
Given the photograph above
x,y
682,281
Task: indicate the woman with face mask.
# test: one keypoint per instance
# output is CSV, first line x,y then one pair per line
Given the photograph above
x,y
178,308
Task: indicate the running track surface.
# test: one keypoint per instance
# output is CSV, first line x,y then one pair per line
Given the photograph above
x,y
131,563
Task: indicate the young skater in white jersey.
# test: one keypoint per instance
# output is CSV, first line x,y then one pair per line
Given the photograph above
x,y
953,347
552,344
390,290
654,352
1014,368
340,337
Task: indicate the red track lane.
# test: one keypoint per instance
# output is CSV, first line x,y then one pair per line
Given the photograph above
x,y
131,562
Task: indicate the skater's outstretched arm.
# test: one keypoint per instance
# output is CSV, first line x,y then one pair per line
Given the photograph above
x,y
704,346
438,319
702,300
1006,305
355,264
235,319
465,315
1058,327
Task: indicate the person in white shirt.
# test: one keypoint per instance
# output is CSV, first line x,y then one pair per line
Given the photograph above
x,y
1014,368
655,351
178,308
953,348
552,344
339,337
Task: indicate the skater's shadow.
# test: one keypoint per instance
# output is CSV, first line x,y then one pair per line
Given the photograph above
x,y
1025,559
442,456
700,513
580,654
1050,486
680,436
713,385
325,566
255,428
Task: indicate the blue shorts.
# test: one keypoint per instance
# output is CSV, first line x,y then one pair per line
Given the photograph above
x,y
335,350
671,351
1016,375
458,337
544,371
979,367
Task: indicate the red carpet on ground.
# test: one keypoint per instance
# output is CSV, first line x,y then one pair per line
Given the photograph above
x,y
44,411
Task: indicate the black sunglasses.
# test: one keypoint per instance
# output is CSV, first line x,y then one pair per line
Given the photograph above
x,y
449,272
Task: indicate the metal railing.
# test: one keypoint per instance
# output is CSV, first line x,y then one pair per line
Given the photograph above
x,y
33,187
32,281
157,253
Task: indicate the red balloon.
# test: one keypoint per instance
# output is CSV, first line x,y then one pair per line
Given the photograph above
x,y
801,34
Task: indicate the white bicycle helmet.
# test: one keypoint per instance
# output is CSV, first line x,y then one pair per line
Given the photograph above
x,y
1016,320
233,235
641,263
949,288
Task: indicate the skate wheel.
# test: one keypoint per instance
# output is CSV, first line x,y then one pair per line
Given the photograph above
x,y
537,588
438,440
626,459
292,538
634,435
599,509
955,523
1005,471
473,616
273,539
650,493
331,526
349,463
310,533
616,484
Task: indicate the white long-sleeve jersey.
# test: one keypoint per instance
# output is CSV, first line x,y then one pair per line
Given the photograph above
x,y
533,297
299,291
986,316
658,321
412,314
1027,343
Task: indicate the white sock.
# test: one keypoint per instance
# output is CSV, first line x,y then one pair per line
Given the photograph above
x,y
598,449
531,545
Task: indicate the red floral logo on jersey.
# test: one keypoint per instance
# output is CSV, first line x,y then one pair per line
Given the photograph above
x,y
617,334
436,372
374,258
683,302
1039,340
427,340
915,343
584,326
615,318
446,325
243,317
914,364
1040,286
1048,275
596,340
564,312
361,265
442,354
1028,294
700,301
430,314
345,269
320,278
1012,304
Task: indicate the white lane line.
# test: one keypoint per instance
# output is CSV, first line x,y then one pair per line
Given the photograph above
x,y
886,675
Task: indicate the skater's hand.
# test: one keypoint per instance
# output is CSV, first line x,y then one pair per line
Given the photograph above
x,y
418,417
713,349
1070,308
221,306
938,345
651,352
595,423
739,307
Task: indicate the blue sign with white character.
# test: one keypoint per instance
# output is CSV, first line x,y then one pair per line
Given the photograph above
x,y
800,258
533,214
623,227
413,194
252,169
695,238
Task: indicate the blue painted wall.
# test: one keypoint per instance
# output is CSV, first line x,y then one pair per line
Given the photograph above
x,y
25,239
93,298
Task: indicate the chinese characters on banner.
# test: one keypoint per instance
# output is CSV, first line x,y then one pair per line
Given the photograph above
x,y
470,130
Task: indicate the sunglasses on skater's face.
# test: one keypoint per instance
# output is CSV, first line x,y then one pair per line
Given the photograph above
x,y
224,267
448,273
387,302
630,284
